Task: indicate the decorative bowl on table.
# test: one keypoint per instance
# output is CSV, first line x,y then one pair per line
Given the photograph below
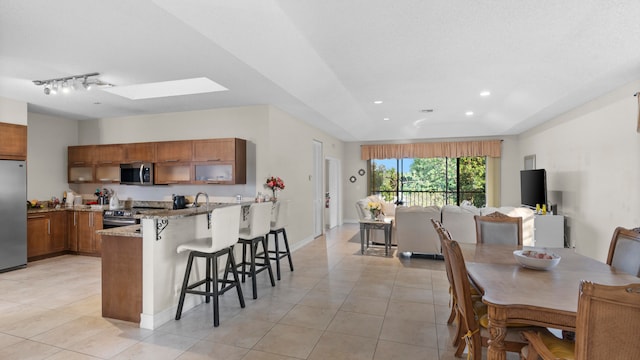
x,y
537,259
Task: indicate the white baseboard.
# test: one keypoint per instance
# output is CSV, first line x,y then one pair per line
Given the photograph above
x,y
154,321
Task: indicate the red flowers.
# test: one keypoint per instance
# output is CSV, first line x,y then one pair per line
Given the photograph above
x,y
274,183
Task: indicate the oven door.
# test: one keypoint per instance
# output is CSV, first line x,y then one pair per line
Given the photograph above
x,y
110,222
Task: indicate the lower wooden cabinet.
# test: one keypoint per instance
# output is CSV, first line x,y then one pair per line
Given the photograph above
x,y
89,243
46,234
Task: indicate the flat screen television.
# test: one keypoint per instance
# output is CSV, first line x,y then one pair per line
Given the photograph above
x,y
533,187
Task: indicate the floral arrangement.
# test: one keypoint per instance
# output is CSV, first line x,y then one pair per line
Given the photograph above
x,y
375,208
274,183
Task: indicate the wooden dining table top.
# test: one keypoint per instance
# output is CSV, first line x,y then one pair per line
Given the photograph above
x,y
504,281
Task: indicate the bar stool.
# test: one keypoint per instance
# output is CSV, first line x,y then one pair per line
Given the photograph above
x,y
225,223
250,238
281,217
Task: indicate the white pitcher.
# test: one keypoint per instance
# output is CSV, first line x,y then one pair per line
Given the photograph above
x,y
114,202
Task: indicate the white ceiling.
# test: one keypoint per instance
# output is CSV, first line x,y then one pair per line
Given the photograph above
x,y
326,61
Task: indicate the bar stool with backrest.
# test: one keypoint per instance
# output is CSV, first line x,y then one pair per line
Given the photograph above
x,y
281,212
225,223
250,238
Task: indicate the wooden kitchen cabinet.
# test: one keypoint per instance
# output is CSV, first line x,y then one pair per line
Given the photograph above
x,y
174,151
37,235
81,163
220,161
46,234
58,231
109,154
89,243
14,142
72,230
173,173
215,150
139,152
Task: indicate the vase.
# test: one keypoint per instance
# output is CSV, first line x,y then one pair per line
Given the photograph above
x,y
375,214
274,198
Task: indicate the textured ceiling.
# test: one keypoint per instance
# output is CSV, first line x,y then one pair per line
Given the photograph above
x,y
325,62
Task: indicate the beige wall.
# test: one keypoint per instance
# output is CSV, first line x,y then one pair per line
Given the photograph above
x,y
13,112
592,158
48,138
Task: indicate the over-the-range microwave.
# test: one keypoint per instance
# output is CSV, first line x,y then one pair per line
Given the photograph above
x,y
136,174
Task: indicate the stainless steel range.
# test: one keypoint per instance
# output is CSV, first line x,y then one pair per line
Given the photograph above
x,y
116,218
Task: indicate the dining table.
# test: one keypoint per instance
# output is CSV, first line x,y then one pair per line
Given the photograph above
x,y
515,294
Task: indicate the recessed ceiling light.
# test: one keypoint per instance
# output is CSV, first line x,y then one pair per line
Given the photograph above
x,y
167,88
386,119
469,113
485,93
377,102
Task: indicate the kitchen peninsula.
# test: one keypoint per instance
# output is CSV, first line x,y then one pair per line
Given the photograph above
x,y
142,273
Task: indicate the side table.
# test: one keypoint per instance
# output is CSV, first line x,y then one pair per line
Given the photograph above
x,y
367,225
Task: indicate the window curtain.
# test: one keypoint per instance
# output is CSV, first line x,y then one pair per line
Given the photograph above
x,y
455,149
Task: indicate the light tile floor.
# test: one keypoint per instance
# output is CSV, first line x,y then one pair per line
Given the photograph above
x,y
337,304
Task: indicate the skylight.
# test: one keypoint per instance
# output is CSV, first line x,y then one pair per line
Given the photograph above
x,y
167,88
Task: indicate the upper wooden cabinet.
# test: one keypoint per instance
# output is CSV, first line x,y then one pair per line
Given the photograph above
x,y
13,145
207,161
139,152
109,155
82,155
215,149
174,151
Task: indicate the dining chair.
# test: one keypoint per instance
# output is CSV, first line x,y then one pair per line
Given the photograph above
x,y
498,228
473,316
251,238
225,222
624,250
443,234
607,321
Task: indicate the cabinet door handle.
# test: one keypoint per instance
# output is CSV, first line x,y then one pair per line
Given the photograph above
x,y
74,218
48,226
90,220
218,159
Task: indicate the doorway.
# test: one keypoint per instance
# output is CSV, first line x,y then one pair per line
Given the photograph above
x,y
318,196
332,192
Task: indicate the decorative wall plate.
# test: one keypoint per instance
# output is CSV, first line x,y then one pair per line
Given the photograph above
x,y
361,172
352,179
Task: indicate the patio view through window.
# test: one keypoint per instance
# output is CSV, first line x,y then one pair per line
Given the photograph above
x,y
432,181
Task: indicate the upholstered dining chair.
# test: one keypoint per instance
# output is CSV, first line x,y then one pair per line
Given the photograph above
x,y
608,320
498,228
443,234
473,317
624,250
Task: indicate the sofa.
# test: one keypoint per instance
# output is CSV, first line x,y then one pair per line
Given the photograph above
x,y
413,232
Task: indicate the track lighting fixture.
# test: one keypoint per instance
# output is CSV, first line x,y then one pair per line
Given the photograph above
x,y
75,82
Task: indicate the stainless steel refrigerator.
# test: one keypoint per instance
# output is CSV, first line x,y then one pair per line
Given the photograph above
x,y
13,214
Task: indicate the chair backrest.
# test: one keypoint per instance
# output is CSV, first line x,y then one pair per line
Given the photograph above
x,y
608,321
498,228
624,251
462,292
280,214
225,224
259,219
444,235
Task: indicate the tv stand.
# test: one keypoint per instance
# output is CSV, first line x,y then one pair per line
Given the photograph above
x,y
548,231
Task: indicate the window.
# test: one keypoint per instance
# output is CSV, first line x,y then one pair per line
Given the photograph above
x,y
430,181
